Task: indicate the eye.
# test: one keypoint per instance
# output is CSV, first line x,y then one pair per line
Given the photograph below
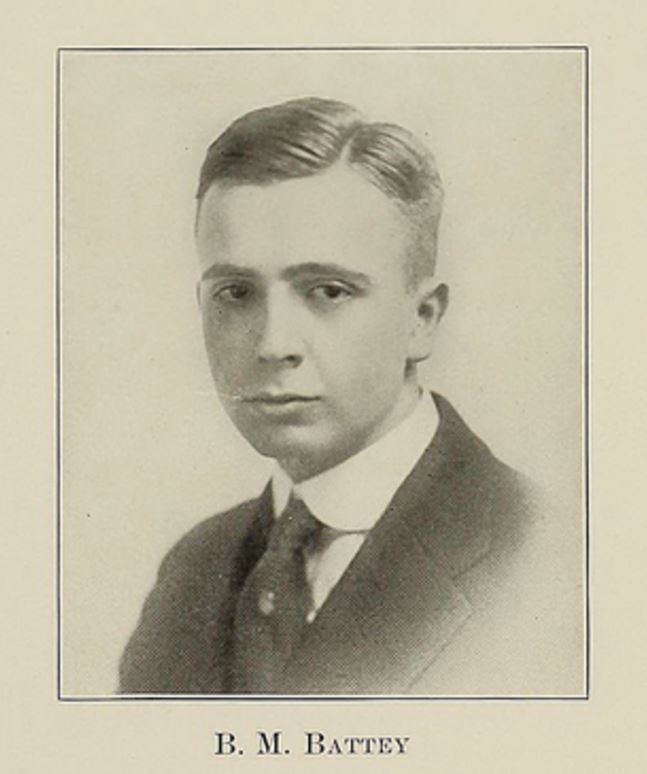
x,y
331,292
235,292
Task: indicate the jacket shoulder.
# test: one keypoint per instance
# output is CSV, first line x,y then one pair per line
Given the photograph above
x,y
211,538
484,493
178,641
515,556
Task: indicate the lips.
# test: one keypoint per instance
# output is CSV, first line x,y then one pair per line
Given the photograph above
x,y
280,399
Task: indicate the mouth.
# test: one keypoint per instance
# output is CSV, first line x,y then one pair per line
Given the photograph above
x,y
280,399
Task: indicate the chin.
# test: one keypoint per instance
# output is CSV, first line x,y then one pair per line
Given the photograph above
x,y
314,450
286,443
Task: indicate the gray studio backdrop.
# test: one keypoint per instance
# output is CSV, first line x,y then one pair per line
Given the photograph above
x,y
146,449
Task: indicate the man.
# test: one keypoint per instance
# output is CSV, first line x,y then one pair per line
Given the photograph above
x,y
389,551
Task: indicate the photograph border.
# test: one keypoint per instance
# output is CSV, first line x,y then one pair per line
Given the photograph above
x,y
585,332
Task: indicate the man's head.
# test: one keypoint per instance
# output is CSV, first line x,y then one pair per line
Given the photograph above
x,y
317,239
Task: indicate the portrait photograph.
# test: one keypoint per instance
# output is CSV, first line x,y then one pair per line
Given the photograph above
x,y
322,373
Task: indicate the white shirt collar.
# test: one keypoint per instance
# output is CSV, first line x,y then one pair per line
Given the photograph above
x,y
354,494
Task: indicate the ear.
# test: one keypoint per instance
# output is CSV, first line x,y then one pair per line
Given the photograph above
x,y
430,302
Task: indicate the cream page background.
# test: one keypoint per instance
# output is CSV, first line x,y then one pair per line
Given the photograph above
x,y
41,734
147,450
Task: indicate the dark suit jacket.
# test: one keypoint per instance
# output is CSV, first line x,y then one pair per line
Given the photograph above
x,y
441,599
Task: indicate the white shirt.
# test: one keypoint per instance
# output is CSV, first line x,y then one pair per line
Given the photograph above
x,y
349,498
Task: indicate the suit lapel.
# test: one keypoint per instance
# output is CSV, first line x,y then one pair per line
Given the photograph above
x,y
234,559
397,606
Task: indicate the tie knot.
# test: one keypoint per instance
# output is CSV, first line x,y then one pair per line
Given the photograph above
x,y
295,527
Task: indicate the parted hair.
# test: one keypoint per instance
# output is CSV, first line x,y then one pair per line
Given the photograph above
x,y
305,137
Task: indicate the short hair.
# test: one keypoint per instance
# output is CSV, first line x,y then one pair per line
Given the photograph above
x,y
305,137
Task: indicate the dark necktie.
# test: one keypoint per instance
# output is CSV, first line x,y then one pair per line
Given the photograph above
x,y
273,604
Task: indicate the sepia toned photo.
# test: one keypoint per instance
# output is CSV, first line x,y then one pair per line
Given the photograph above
x,y
323,368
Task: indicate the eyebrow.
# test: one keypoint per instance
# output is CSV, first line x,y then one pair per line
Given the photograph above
x,y
326,270
217,270
226,270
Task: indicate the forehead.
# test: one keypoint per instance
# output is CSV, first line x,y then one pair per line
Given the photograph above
x,y
336,215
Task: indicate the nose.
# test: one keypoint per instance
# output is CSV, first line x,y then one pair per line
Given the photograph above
x,y
281,335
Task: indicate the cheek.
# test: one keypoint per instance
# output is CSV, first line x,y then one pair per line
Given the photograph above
x,y
226,345
369,346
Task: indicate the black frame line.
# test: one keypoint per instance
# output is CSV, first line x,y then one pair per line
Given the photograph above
x,y
586,363
58,360
586,244
229,49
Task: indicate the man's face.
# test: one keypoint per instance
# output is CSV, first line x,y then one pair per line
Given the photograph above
x,y
307,314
